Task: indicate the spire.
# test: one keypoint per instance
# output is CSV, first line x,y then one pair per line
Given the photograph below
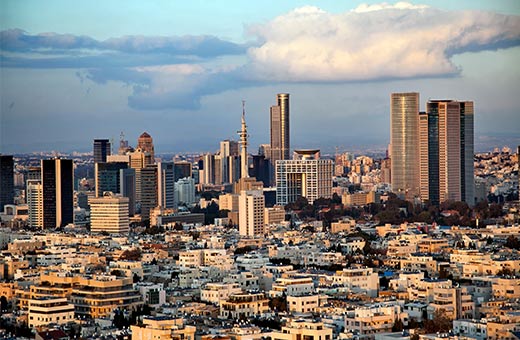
x,y
243,143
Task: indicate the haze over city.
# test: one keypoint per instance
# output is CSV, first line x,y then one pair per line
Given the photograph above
x,y
73,71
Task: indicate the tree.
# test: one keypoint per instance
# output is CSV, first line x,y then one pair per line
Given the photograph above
x,y
3,304
440,322
278,302
398,326
131,254
513,242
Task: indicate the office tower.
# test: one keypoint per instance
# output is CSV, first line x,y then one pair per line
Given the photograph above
x,y
127,188
109,213
235,164
185,191
207,169
446,152
218,169
280,139
58,193
149,185
228,150
145,143
182,169
101,150
165,185
107,177
260,169
34,193
280,134
6,180
251,213
404,140
138,160
305,176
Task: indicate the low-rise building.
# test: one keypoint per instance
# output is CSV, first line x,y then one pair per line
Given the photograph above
x,y
50,309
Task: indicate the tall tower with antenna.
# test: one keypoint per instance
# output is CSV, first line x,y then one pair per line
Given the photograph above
x,y
243,143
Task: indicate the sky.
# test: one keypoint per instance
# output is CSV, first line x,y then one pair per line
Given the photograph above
x,y
74,71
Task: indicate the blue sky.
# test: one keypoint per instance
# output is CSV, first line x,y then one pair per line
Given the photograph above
x,y
74,71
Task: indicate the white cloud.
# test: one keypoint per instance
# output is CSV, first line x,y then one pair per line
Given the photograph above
x,y
373,42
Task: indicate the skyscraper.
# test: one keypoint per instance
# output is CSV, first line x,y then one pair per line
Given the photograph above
x,y
165,185
107,177
101,150
280,134
57,192
6,180
404,140
446,152
145,143
127,188
182,169
149,199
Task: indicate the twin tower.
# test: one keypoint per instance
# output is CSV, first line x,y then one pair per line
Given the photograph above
x,y
432,152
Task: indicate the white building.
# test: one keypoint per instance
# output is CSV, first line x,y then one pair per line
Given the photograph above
x,y
110,214
308,177
35,203
185,191
216,292
251,213
153,293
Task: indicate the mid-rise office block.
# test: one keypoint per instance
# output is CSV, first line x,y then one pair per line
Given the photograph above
x,y
101,150
182,169
404,140
306,177
50,310
127,188
6,180
58,193
251,213
109,213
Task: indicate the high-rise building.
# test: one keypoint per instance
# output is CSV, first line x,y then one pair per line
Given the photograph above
x,y
260,169
123,145
145,143
165,185
138,160
280,147
149,199
182,169
404,140
446,152
57,192
306,176
109,213
127,188
6,180
251,213
34,193
207,169
108,177
101,150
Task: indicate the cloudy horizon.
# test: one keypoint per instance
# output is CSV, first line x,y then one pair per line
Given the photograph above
x,y
64,84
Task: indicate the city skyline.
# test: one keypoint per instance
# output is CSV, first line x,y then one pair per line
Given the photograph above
x,y
179,80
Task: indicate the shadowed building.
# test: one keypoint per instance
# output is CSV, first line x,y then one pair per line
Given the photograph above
x,y
101,150
57,192
6,180
280,134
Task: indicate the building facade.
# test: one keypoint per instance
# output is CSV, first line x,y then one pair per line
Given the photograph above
x,y
109,213
57,192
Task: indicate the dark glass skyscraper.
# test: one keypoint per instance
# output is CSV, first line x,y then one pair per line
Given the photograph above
x,y
101,150
58,193
6,180
107,177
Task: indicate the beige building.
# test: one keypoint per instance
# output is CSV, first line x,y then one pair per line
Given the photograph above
x,y
359,198
99,296
109,214
303,329
46,310
163,328
305,303
274,215
251,213
342,226
216,292
244,305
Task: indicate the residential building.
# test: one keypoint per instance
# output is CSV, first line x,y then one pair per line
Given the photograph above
x,y
34,196
244,305
163,328
251,213
50,310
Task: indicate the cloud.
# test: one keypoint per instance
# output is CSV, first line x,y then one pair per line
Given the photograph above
x,y
373,42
